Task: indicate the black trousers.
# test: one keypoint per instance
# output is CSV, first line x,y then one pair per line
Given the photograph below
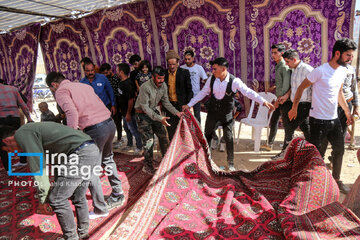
x,y
15,123
302,121
118,120
173,121
332,130
227,122
282,111
344,126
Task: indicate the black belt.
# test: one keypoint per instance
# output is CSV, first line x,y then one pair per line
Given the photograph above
x,y
97,125
84,144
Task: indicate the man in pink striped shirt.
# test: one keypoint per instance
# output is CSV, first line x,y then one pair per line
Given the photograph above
x,y
10,101
85,110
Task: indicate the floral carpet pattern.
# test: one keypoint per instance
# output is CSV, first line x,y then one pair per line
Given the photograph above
x,y
191,198
18,218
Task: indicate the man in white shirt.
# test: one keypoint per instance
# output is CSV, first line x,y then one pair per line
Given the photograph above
x,y
222,87
327,81
197,74
300,70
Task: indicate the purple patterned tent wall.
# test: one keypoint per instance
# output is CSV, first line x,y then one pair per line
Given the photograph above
x,y
242,31
121,32
111,36
311,27
64,43
19,53
210,28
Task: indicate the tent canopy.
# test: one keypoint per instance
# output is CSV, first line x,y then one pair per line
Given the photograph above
x,y
17,13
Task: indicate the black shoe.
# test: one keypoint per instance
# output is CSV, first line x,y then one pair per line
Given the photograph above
x,y
342,187
149,170
278,156
115,201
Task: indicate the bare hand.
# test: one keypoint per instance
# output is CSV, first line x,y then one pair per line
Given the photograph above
x,y
269,106
350,118
356,111
185,107
180,114
128,117
164,122
292,114
44,209
283,99
113,110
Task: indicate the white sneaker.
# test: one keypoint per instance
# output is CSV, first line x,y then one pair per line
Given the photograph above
x,y
93,215
19,164
138,151
214,144
117,144
222,147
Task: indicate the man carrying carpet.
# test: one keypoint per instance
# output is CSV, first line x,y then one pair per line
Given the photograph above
x,y
222,87
148,118
79,152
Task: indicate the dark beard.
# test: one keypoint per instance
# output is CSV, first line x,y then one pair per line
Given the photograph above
x,y
341,62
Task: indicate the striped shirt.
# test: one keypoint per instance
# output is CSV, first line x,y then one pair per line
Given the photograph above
x,y
350,87
297,77
10,101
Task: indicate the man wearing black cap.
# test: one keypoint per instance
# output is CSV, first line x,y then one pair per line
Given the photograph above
x,y
222,87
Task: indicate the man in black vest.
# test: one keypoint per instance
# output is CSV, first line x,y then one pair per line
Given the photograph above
x,y
222,87
179,87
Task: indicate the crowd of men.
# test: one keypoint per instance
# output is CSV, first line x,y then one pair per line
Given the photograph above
x,y
103,103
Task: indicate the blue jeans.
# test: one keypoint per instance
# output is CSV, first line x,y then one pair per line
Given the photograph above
x,y
103,137
66,187
129,136
134,131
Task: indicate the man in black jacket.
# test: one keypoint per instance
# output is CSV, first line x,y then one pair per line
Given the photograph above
x,y
179,87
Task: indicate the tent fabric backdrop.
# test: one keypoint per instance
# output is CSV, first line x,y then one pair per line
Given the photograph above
x,y
241,31
18,52
110,35
293,198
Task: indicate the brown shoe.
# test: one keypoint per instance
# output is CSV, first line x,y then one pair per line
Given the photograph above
x,y
266,147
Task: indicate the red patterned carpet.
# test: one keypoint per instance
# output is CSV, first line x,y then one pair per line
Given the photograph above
x,y
293,198
18,219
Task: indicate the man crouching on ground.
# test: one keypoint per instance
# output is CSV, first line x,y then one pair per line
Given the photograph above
x,y
54,138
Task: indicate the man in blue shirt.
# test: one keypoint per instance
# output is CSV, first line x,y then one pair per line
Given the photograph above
x,y
101,86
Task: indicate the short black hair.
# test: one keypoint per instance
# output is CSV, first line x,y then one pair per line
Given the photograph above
x,y
5,131
343,45
280,47
221,62
54,77
189,52
86,60
134,58
104,67
144,63
291,54
124,67
158,70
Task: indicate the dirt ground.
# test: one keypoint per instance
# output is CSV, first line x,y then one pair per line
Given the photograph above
x,y
247,159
